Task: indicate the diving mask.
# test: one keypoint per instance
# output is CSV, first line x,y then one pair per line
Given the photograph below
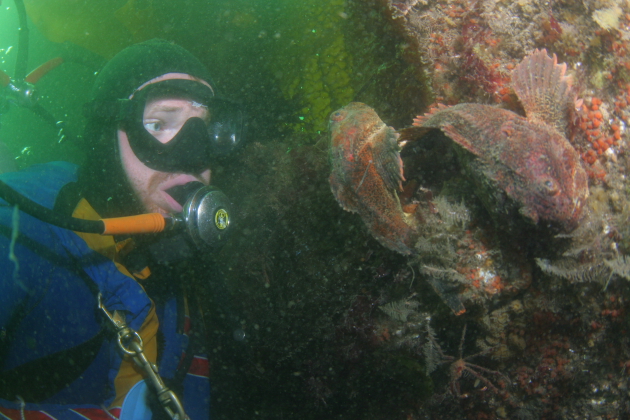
x,y
217,132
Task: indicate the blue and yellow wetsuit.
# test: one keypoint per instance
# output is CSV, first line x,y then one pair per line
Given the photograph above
x,y
57,358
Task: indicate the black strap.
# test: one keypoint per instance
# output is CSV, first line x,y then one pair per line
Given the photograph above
x,y
114,110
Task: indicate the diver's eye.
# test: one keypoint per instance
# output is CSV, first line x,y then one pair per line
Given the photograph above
x,y
153,126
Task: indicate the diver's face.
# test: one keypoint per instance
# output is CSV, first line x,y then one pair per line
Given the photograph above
x,y
163,118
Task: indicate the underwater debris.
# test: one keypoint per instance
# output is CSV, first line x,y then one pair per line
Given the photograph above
x,y
597,250
608,18
575,272
431,350
400,310
438,248
500,341
402,8
463,262
443,283
620,266
404,326
453,214
460,366
600,272
444,274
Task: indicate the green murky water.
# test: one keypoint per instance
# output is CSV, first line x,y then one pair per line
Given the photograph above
x,y
337,326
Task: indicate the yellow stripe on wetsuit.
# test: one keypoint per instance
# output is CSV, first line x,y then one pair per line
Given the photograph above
x,y
128,374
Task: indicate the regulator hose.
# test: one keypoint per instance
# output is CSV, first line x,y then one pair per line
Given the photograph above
x,y
47,215
205,217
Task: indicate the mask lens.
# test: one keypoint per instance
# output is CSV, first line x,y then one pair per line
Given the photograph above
x,y
177,139
226,127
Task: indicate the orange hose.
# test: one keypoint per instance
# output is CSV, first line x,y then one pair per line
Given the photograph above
x,y
34,76
4,79
143,223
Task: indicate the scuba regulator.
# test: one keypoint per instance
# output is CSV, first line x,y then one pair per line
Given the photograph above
x,y
206,216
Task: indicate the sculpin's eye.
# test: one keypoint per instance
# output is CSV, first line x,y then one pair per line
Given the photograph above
x,y
337,115
550,186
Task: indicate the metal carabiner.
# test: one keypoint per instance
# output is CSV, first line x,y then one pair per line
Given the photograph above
x,y
135,349
118,324
167,398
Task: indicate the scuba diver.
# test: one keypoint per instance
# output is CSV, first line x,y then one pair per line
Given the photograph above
x,y
102,326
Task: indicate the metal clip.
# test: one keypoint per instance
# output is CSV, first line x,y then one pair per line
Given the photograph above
x,y
131,344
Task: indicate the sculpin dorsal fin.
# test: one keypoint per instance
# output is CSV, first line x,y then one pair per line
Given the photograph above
x,y
545,91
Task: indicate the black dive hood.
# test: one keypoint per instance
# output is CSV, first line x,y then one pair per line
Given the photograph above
x,y
205,217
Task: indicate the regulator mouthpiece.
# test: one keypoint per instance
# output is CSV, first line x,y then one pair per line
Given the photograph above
x,y
206,215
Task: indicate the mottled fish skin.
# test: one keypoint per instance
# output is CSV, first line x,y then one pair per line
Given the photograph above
x,y
367,172
532,163
530,159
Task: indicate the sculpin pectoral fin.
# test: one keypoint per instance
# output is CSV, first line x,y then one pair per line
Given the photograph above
x,y
389,165
411,134
463,141
458,122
